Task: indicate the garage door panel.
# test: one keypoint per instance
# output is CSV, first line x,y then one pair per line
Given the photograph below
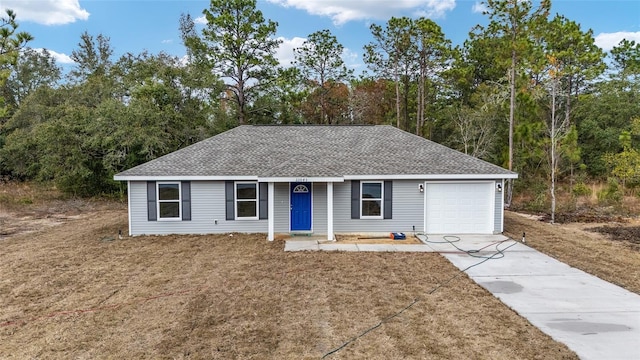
x,y
459,208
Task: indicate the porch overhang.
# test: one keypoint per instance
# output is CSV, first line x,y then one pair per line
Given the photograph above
x,y
310,179
271,200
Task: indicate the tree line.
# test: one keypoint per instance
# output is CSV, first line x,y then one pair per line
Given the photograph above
x,y
529,91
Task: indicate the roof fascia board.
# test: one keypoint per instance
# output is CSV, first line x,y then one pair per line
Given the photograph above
x,y
433,177
319,179
222,178
182,177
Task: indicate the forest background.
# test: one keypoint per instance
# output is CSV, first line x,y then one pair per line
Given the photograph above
x,y
529,91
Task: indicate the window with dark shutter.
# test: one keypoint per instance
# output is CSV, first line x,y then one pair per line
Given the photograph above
x,y
229,200
246,200
169,203
388,196
151,201
355,199
264,201
371,199
186,200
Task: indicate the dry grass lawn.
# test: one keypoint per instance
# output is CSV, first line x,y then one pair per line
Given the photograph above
x,y
69,292
615,261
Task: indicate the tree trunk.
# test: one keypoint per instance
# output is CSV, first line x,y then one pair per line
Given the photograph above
x,y
406,102
397,80
553,152
241,98
420,110
567,111
512,107
241,108
322,100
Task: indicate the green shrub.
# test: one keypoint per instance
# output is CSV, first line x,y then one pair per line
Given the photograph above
x,y
612,194
537,195
581,189
26,201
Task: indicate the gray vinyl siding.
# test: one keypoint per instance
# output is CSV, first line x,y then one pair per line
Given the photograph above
x,y
282,208
407,203
207,205
319,202
498,209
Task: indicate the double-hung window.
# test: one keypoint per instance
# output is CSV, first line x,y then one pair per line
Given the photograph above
x,y
371,199
169,201
246,200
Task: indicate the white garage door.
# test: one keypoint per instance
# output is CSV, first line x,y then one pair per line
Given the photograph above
x,y
459,208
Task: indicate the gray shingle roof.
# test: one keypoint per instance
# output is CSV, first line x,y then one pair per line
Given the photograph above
x,y
314,151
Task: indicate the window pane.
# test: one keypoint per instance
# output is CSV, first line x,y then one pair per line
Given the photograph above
x,y
371,207
246,191
247,209
371,191
168,192
169,209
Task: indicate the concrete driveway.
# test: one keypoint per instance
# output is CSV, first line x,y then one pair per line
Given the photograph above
x,y
594,318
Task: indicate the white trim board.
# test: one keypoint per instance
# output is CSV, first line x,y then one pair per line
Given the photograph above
x,y
439,177
442,177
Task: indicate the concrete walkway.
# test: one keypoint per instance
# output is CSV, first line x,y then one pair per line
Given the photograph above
x,y
594,318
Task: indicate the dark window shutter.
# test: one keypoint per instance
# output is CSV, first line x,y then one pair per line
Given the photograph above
x,y
186,200
152,213
388,196
355,199
228,193
263,210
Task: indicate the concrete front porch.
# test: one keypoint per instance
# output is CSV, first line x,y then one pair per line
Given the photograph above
x,y
434,243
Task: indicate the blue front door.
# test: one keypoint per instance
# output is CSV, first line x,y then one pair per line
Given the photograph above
x,y
300,206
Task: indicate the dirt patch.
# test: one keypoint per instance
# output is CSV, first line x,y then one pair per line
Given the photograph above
x,y
11,224
66,292
29,207
363,239
584,218
630,234
576,245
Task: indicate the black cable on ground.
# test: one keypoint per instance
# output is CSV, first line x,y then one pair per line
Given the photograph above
x,y
451,239
497,255
446,240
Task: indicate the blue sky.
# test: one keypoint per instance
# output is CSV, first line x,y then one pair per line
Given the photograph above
x,y
152,25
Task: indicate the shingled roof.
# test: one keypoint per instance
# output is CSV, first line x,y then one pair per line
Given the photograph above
x,y
312,151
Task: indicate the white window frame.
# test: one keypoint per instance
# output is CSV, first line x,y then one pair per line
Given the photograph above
x,y
236,200
179,201
381,199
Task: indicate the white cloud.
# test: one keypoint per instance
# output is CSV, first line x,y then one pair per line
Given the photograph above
x,y
285,54
167,41
435,9
58,57
47,12
184,60
201,20
607,41
479,7
351,59
341,11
